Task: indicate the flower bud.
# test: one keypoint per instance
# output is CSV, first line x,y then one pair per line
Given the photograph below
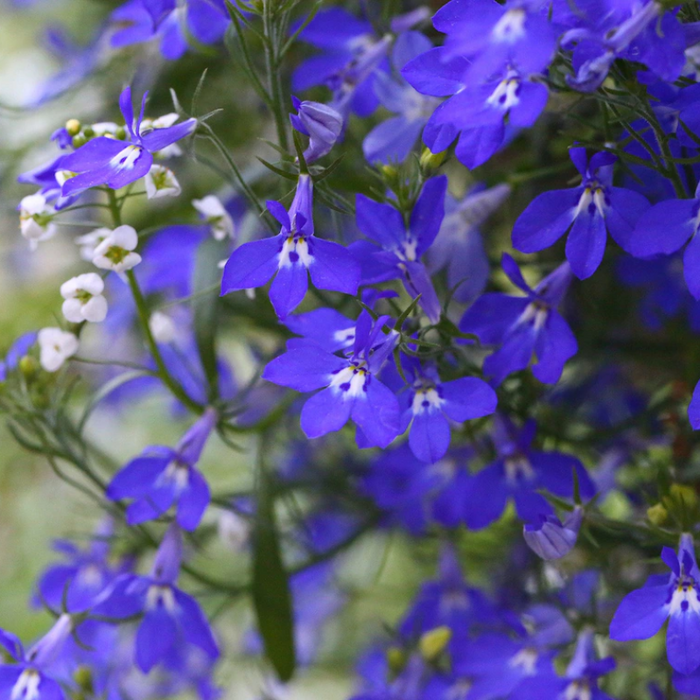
x,y
79,140
433,643
396,659
73,127
657,514
28,367
429,161
83,679
88,132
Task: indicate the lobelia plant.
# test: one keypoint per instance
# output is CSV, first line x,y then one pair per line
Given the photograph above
x,y
402,212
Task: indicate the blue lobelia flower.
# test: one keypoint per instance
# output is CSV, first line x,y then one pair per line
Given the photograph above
x,y
116,163
393,139
605,31
161,477
549,538
642,613
524,326
448,600
402,245
291,257
430,404
665,228
352,388
321,123
492,36
327,327
586,212
77,582
171,618
580,681
496,664
353,54
170,21
459,246
484,115
518,473
27,679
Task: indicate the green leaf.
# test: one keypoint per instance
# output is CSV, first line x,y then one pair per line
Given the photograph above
x,y
278,171
205,307
271,597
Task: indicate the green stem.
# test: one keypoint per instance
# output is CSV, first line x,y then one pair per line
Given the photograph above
x,y
273,75
244,186
175,389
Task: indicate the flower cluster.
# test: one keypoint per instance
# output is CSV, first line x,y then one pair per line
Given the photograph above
x,y
401,324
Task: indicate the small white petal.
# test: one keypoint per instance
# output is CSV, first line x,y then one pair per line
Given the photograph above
x,y
73,310
55,347
95,309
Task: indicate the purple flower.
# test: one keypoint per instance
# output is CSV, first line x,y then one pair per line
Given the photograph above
x,y
393,139
549,539
84,575
352,388
402,245
321,123
170,21
639,32
493,36
353,55
161,477
580,681
116,163
519,473
170,616
667,227
642,613
27,679
477,113
429,406
291,256
524,326
585,212
459,246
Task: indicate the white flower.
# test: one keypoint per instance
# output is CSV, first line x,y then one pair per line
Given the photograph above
x,y
116,250
161,182
88,242
83,298
55,347
162,327
35,219
163,122
234,530
216,216
105,128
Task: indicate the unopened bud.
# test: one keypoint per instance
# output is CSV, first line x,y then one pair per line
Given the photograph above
x,y
657,514
389,172
73,127
396,659
683,494
79,141
83,679
28,366
433,643
120,133
88,132
429,161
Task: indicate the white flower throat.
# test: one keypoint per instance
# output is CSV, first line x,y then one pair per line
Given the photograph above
x,y
351,380
295,249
